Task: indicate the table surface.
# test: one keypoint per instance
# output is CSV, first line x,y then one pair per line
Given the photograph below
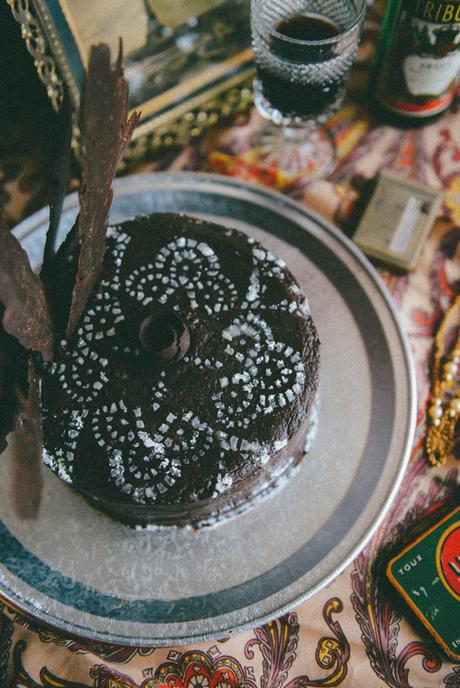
x,y
355,632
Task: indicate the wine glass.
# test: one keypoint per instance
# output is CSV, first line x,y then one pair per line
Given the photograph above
x,y
303,52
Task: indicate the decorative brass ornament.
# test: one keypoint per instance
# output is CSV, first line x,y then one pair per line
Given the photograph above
x,y
444,403
37,46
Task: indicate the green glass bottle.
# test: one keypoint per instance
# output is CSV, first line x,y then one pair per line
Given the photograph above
x,y
418,58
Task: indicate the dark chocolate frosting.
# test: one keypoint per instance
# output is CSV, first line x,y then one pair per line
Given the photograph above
x,y
234,380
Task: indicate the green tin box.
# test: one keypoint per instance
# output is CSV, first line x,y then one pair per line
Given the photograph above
x,y
427,575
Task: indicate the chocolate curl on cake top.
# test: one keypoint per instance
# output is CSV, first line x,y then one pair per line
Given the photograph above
x,y
26,315
106,130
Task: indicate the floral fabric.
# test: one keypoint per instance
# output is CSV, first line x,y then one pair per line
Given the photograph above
x,y
355,633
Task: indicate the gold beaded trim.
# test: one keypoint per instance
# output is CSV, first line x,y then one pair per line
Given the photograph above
x,y
444,405
26,15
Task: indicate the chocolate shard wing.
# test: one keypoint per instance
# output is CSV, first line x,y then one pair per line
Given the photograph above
x,y
26,315
106,132
60,277
59,178
13,377
27,447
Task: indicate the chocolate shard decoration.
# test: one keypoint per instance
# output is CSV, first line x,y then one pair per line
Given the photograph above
x,y
27,450
13,377
106,131
26,314
60,280
59,178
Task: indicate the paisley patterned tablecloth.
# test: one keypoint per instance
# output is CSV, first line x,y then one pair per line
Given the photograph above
x,y
354,633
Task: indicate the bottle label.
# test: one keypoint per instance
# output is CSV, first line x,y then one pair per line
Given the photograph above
x,y
426,75
436,12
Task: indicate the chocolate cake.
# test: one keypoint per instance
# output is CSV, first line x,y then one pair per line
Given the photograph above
x,y
166,368
186,389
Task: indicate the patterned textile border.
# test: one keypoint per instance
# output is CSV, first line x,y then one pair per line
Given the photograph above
x,y
355,633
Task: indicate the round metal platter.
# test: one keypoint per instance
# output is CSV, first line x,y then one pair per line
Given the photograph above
x,y
81,572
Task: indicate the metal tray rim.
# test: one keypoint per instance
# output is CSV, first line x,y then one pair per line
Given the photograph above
x,y
191,180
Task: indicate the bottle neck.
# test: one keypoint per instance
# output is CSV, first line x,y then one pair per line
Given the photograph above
x,y
389,22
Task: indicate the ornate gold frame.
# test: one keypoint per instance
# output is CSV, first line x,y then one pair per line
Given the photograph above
x,y
36,43
174,127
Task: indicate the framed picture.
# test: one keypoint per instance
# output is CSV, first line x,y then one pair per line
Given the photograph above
x,y
187,62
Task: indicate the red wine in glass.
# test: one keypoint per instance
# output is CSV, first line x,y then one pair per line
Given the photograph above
x,y
296,94
303,52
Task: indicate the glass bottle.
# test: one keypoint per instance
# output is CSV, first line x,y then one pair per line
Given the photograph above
x,y
418,58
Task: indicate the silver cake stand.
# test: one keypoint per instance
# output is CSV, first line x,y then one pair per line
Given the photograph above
x,y
85,574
